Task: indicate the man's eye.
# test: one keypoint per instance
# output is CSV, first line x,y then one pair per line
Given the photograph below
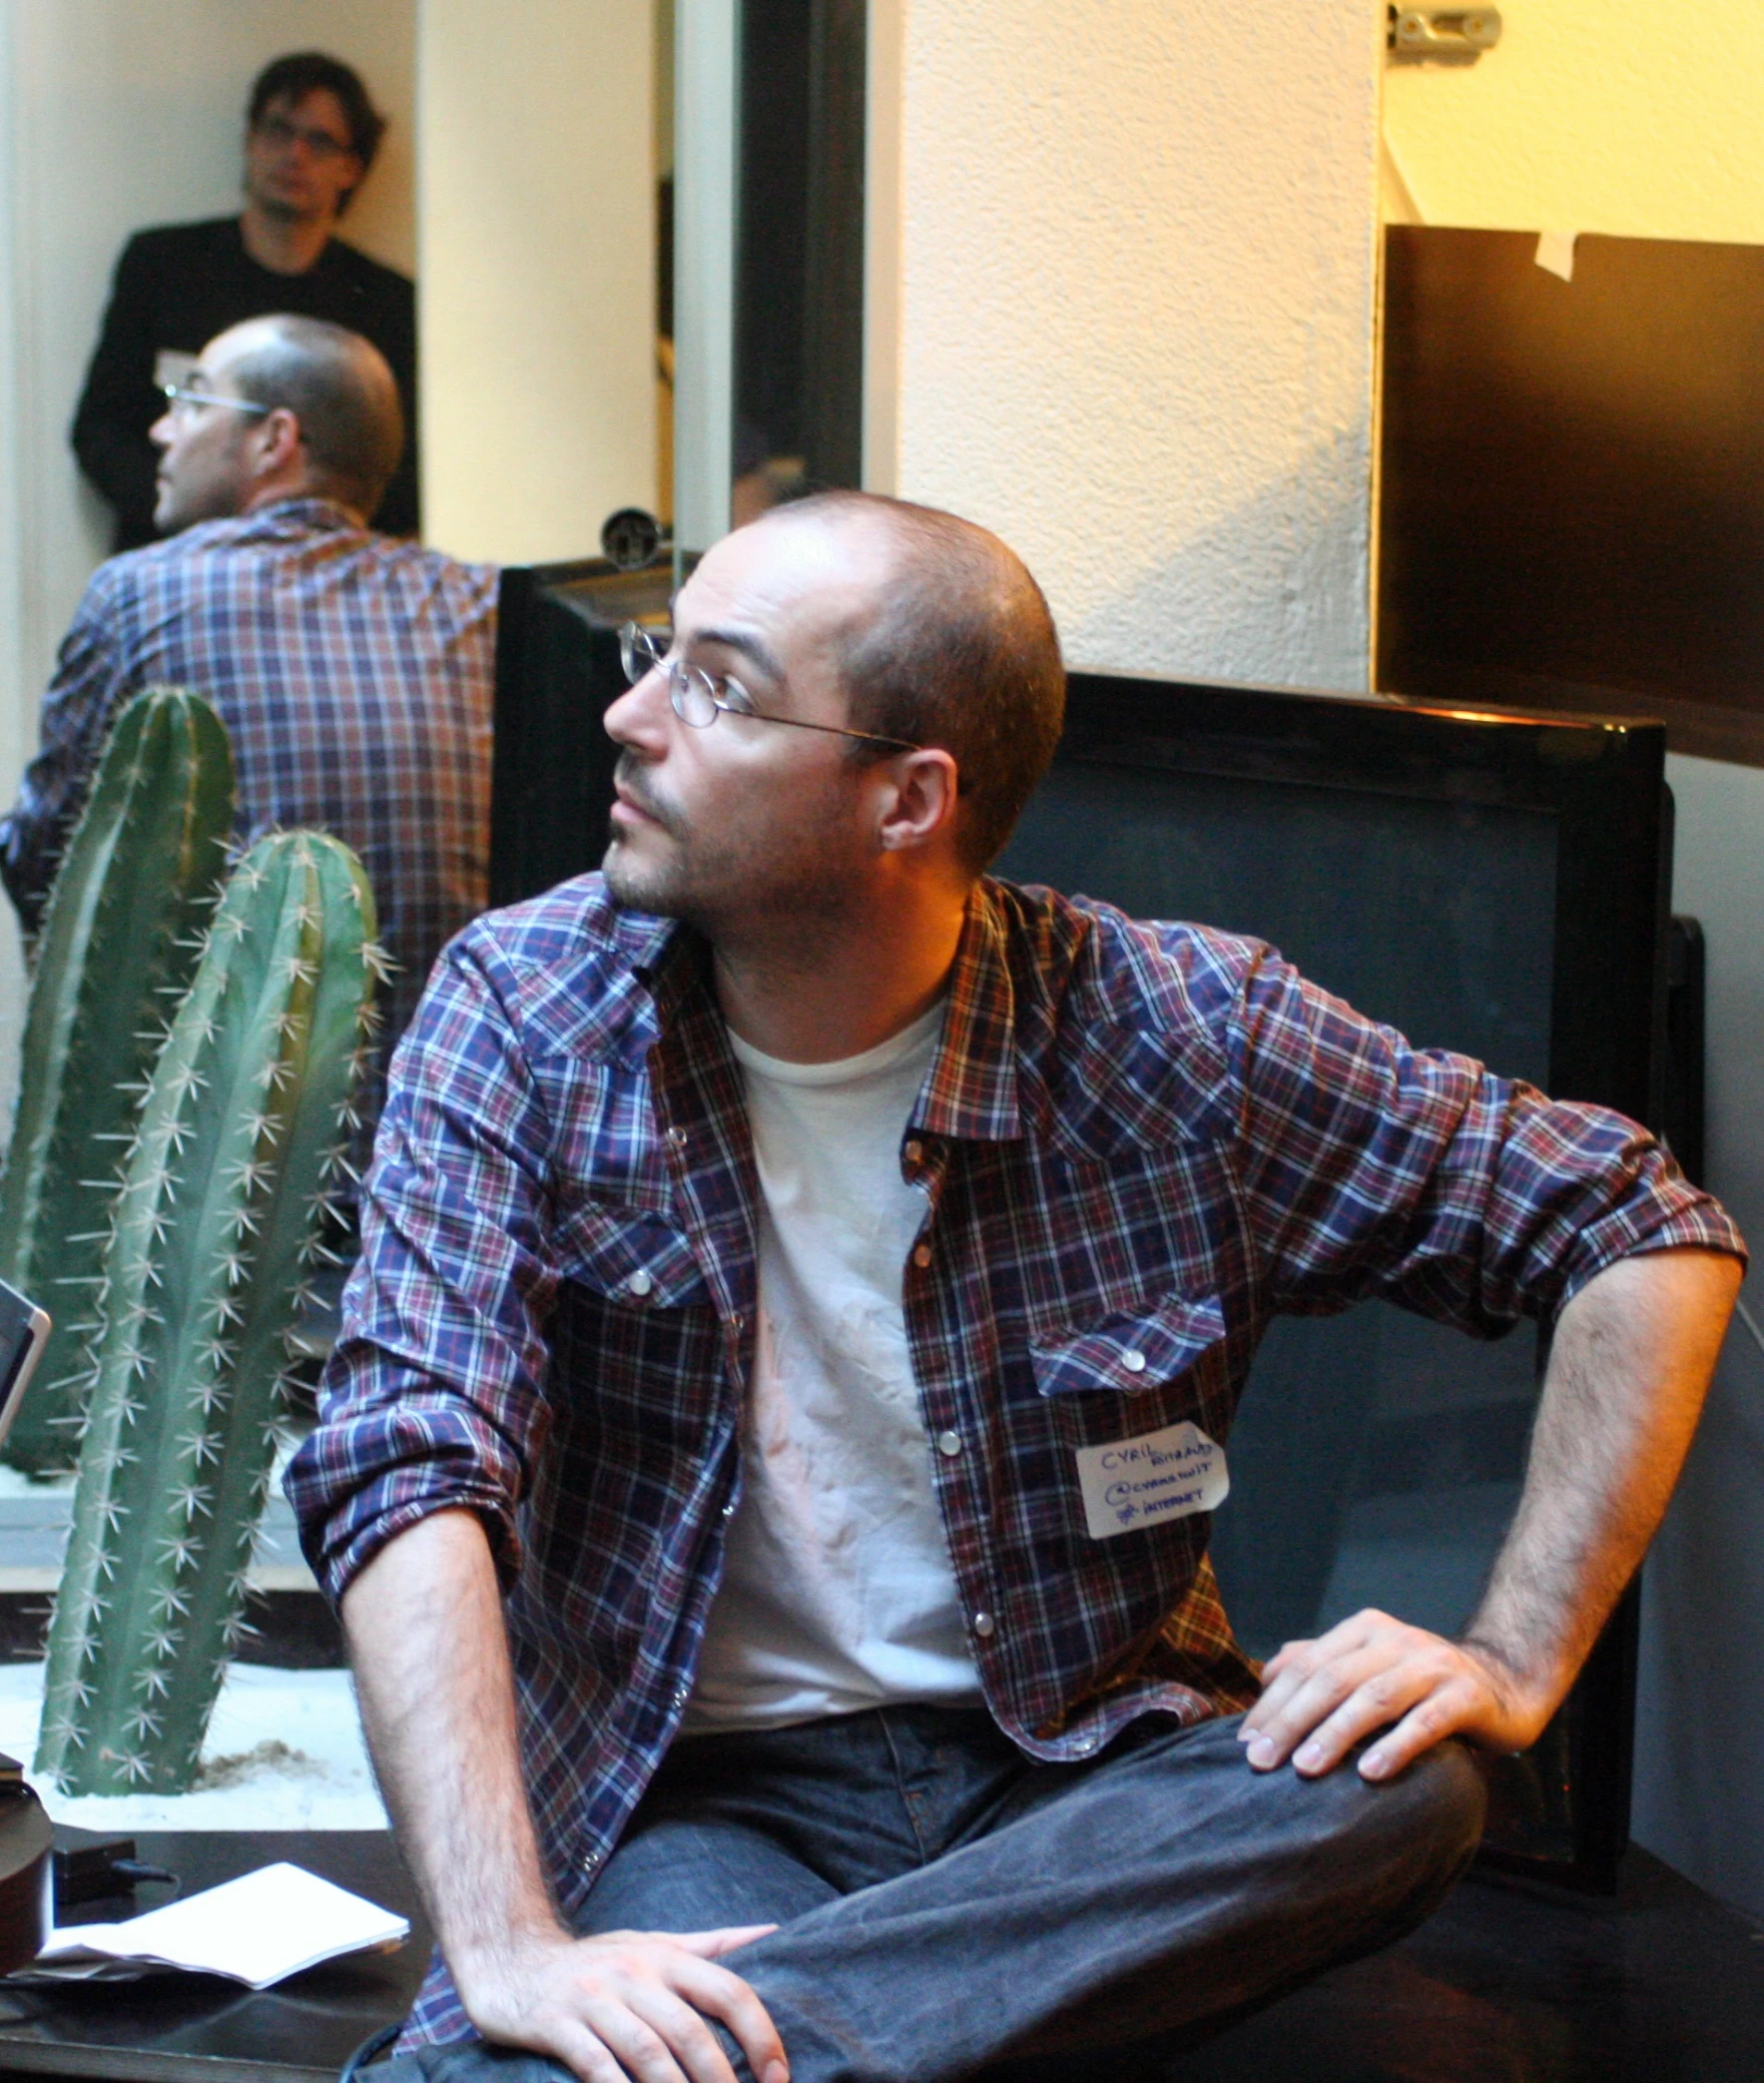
x,y
735,696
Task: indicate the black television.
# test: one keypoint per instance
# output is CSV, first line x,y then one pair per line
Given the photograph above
x,y
1487,880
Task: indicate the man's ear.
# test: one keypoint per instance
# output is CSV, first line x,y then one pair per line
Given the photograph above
x,y
278,440
923,803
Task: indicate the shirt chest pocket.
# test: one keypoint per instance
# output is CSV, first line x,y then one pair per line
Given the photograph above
x,y
1131,1351
630,1256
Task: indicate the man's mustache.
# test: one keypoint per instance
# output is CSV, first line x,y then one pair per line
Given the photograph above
x,y
630,776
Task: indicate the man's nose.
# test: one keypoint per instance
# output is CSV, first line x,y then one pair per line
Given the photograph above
x,y
161,430
639,716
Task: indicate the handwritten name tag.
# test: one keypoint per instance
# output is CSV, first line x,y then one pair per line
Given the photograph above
x,y
1132,1483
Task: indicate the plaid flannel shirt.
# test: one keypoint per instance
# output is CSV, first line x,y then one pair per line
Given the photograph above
x,y
1138,1144
355,675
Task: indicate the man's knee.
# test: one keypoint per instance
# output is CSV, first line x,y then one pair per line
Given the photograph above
x,y
1406,1840
1444,1801
1392,1842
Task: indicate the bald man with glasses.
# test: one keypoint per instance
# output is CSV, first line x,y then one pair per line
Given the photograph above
x,y
776,1247
354,671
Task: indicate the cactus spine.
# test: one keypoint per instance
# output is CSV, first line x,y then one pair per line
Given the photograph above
x,y
245,1129
140,875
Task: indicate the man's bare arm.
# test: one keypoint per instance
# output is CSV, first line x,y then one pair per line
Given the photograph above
x,y
1628,1370
425,1632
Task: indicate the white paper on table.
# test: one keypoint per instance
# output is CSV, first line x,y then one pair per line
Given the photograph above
x,y
257,1929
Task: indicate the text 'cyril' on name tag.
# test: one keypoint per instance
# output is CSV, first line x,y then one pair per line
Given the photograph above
x,y
1132,1483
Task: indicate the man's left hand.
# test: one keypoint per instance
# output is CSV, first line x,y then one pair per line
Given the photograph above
x,y
1373,1674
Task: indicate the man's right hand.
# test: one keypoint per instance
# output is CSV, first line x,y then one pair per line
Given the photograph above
x,y
424,1622
625,2006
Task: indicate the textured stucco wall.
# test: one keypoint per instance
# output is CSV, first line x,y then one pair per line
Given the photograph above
x,y
1135,254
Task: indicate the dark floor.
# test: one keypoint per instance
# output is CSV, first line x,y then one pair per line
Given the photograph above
x,y
1508,1986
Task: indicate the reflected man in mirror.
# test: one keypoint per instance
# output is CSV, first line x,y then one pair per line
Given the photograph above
x,y
311,138
353,672
806,1288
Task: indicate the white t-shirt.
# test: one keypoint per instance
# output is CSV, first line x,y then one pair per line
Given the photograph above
x,y
838,1593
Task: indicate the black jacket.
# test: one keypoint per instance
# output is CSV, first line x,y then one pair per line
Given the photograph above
x,y
178,286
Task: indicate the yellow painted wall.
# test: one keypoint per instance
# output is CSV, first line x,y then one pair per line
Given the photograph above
x,y
1639,118
536,273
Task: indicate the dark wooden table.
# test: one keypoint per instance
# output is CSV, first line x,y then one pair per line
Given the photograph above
x,y
191,2028
1660,1985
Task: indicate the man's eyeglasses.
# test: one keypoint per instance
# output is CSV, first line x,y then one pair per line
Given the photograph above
x,y
700,697
178,399
277,131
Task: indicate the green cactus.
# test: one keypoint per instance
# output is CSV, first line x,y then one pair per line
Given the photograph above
x,y
140,875
243,1132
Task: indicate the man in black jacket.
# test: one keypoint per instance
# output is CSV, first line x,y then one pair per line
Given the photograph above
x,y
311,133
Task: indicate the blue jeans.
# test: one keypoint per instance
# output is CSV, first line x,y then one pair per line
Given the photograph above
x,y
948,1907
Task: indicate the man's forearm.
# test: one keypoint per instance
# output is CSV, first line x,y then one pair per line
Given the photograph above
x,y
426,1634
1629,1369
424,1623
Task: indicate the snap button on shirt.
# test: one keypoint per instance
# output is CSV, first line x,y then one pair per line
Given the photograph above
x,y
921,1254
950,1443
1134,1361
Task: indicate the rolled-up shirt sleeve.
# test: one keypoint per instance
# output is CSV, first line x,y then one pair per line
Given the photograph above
x,y
1372,1168
434,1398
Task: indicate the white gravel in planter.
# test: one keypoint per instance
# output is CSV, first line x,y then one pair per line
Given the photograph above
x,y
284,1752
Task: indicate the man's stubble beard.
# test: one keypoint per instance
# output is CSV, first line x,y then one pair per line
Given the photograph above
x,y
729,893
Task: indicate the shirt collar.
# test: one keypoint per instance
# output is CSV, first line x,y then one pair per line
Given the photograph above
x,y
673,965
971,1090
308,510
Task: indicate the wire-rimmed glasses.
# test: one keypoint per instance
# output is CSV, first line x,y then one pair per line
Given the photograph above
x,y
699,697
180,399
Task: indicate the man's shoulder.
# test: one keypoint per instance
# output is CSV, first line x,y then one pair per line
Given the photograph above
x,y
570,967
162,245
132,569
1099,961
294,528
350,264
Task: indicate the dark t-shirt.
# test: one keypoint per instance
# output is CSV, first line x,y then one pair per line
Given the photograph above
x,y
177,287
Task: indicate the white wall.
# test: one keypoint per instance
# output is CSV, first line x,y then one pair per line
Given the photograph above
x,y
115,115
536,273
1135,247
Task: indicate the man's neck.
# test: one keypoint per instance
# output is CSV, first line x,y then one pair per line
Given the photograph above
x,y
812,999
283,245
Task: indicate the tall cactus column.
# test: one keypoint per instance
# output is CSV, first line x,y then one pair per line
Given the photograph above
x,y
245,1127
140,876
